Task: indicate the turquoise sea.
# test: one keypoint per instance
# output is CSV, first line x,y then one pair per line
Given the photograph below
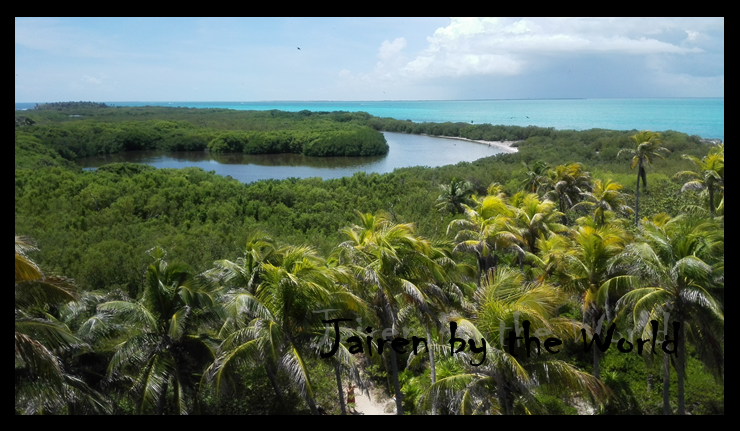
x,y
695,116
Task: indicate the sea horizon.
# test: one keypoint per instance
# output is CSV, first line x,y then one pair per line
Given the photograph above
x,y
701,116
378,100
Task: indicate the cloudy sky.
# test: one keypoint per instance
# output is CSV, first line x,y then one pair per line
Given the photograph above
x,y
255,59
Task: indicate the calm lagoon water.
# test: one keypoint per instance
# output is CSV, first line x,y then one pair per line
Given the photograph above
x,y
695,116
405,151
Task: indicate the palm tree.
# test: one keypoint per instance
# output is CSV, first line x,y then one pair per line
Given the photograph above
x,y
486,230
441,294
709,176
394,267
536,175
605,198
589,272
550,261
275,325
454,195
672,263
535,219
507,379
245,272
43,384
158,350
566,184
647,146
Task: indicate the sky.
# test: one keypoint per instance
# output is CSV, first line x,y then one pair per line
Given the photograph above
x,y
258,59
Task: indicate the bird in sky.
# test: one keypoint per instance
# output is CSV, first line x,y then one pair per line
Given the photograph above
x,y
299,48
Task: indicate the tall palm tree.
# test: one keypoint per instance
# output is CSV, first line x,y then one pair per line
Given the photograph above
x,y
158,350
709,176
507,378
486,230
535,219
647,147
275,325
589,272
566,184
43,384
605,198
394,267
443,293
672,263
536,176
454,195
245,271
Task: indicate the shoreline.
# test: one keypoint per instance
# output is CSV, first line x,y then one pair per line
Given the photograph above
x,y
505,146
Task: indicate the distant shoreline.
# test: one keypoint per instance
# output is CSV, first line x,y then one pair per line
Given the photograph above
x,y
505,146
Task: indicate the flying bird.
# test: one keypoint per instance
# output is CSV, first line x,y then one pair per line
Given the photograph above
x,y
299,48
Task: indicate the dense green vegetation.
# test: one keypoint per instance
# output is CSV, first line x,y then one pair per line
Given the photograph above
x,y
82,130
194,293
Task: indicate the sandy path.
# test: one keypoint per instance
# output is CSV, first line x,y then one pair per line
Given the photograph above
x,y
366,406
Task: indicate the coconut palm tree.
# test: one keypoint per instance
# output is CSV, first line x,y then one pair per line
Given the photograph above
x,y
647,147
672,263
506,380
394,267
565,185
275,326
443,293
550,260
536,176
589,272
158,350
245,271
486,230
43,384
454,195
535,219
605,198
708,177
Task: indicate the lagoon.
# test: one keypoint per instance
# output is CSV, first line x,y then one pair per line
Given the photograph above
x,y
405,151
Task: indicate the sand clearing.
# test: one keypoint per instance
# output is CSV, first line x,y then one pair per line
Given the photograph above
x,y
369,406
505,146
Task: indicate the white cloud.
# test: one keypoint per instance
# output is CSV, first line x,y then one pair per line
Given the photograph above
x,y
504,48
390,50
91,80
497,46
691,35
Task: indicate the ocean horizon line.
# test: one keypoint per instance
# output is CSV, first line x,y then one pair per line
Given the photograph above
x,y
384,100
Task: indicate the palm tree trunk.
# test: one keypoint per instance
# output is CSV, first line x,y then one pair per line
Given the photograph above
x,y
597,373
162,398
637,195
275,387
387,322
666,384
433,368
311,405
338,375
503,394
680,366
399,395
